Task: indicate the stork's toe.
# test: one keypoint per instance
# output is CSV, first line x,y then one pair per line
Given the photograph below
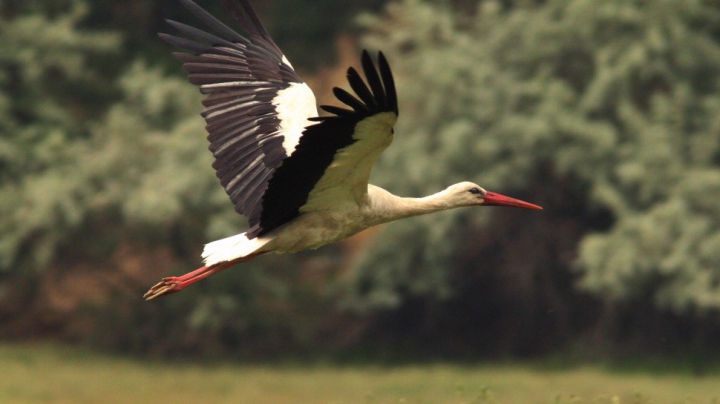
x,y
164,287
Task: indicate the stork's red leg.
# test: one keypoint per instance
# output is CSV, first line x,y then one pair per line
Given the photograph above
x,y
174,284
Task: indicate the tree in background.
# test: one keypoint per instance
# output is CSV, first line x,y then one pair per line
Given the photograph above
x,y
79,150
50,83
107,184
604,112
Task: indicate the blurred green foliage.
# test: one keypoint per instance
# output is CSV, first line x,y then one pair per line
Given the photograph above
x,y
603,111
50,85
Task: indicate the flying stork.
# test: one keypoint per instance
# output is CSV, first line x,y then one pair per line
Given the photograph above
x,y
299,178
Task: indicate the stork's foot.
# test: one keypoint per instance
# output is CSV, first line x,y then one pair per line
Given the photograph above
x,y
165,287
174,284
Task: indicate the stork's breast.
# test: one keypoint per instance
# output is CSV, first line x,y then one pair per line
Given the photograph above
x,y
313,230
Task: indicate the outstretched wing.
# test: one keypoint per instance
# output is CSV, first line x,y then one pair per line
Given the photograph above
x,y
331,165
257,106
272,160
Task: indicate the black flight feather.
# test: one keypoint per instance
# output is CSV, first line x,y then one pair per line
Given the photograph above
x,y
241,76
290,186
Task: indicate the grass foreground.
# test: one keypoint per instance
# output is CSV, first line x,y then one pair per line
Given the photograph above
x,y
47,374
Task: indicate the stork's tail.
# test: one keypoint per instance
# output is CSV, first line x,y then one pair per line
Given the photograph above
x,y
218,255
232,248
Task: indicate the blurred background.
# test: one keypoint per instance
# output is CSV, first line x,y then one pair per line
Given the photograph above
x,y
605,112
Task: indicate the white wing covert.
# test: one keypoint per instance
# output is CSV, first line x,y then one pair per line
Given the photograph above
x,y
275,158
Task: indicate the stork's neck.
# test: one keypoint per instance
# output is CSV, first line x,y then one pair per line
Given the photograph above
x,y
386,207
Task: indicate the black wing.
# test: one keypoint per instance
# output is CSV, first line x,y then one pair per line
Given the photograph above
x,y
252,129
242,76
330,167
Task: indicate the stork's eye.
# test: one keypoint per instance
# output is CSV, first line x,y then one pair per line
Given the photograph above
x,y
475,191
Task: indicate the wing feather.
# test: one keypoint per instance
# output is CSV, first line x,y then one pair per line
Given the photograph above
x,y
256,108
242,76
388,83
331,165
373,78
361,89
349,100
212,22
337,110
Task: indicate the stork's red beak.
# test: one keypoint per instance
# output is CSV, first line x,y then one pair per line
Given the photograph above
x,y
491,198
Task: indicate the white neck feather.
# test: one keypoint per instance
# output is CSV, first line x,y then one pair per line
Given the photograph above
x,y
386,207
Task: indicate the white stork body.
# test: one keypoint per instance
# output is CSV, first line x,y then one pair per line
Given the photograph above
x,y
315,229
301,180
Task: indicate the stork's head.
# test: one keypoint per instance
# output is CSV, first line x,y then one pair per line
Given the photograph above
x,y
469,194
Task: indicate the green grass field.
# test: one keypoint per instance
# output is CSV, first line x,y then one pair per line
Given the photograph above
x,y
45,374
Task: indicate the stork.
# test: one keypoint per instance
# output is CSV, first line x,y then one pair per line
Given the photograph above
x,y
299,178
